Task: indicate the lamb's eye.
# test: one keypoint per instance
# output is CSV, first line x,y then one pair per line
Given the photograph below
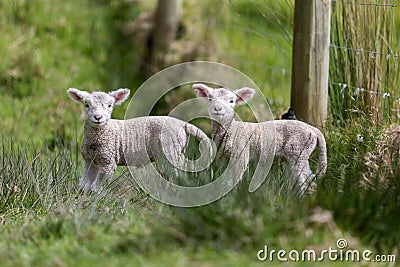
x,y
232,101
109,106
87,105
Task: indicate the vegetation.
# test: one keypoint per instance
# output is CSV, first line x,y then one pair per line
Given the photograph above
x,y
364,66
49,46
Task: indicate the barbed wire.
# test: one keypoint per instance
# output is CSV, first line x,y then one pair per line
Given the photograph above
x,y
366,4
382,19
357,90
372,53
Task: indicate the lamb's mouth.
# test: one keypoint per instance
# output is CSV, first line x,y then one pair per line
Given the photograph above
x,y
98,123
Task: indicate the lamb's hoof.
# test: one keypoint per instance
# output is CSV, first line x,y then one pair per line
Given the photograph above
x,y
311,189
84,188
95,189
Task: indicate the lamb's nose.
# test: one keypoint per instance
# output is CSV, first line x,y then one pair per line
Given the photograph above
x,y
217,108
98,117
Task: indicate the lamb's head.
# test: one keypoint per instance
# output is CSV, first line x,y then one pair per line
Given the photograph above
x,y
98,105
222,102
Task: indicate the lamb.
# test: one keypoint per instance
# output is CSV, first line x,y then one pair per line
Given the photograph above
x,y
108,143
294,140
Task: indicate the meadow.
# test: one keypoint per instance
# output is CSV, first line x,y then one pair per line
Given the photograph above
x,y
50,46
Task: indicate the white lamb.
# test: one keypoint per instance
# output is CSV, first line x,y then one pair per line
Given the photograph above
x,y
294,140
108,143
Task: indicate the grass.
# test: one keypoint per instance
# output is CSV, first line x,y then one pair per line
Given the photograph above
x,y
264,27
51,222
49,46
370,64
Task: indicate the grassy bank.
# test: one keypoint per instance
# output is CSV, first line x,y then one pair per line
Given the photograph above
x,y
46,220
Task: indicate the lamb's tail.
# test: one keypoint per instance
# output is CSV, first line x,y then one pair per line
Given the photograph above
x,y
206,147
322,157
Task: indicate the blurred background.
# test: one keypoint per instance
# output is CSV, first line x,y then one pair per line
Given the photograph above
x,y
49,46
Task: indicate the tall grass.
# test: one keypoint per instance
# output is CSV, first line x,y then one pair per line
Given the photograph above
x,y
43,180
45,215
364,63
43,211
363,95
367,205
30,180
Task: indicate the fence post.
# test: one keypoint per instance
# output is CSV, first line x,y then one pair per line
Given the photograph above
x,y
310,60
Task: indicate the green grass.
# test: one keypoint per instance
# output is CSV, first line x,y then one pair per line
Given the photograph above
x,y
49,46
364,69
50,222
258,28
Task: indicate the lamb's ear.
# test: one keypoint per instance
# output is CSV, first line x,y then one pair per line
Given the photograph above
x,y
243,95
201,90
77,95
120,95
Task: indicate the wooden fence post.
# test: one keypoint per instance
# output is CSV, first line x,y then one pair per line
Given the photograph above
x,y
310,60
168,16
165,28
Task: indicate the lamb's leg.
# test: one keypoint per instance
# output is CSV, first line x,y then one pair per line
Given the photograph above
x,y
300,172
90,174
308,177
83,179
106,172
